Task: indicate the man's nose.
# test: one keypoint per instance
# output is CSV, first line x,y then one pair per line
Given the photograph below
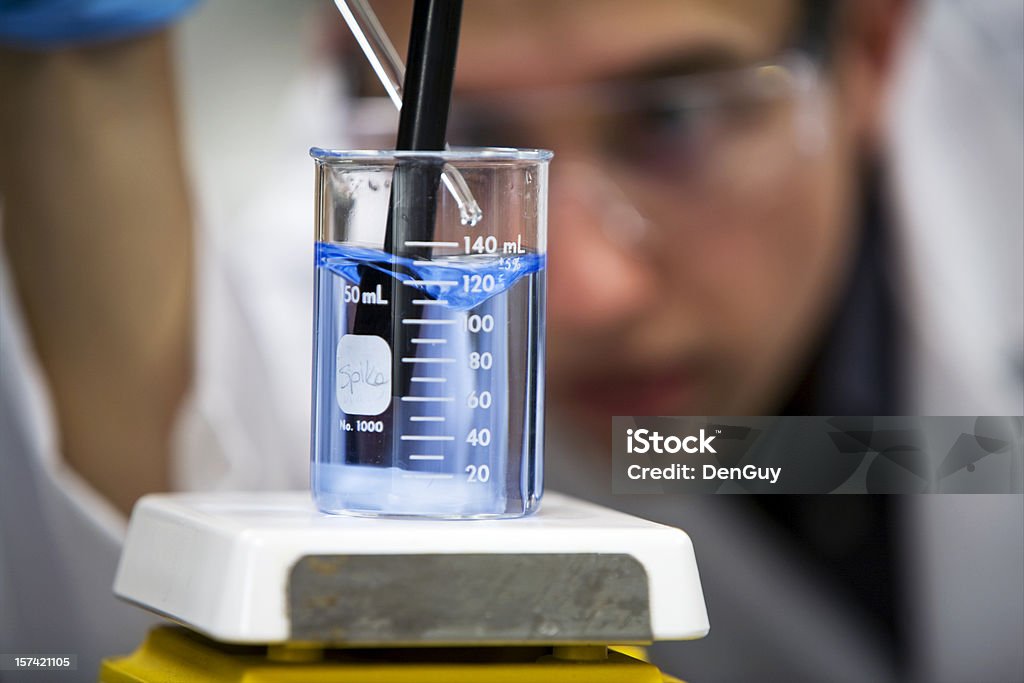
x,y
597,276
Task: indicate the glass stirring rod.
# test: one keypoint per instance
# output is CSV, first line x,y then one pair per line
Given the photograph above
x,y
390,70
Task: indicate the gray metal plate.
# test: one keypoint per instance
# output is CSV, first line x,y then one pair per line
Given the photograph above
x,y
469,599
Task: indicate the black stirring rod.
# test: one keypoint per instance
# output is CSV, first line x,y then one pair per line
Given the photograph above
x,y
422,125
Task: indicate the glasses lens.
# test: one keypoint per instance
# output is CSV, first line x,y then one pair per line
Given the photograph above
x,y
711,137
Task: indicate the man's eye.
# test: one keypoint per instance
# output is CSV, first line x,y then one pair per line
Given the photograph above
x,y
654,136
672,122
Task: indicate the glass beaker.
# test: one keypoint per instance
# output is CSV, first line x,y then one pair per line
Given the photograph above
x,y
428,361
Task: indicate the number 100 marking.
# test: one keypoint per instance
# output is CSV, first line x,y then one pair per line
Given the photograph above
x,y
480,323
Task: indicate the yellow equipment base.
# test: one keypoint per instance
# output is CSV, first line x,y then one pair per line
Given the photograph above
x,y
172,654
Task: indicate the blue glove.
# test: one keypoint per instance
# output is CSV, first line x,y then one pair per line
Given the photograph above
x,y
49,24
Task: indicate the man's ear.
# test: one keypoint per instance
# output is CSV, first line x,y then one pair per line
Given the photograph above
x,y
869,41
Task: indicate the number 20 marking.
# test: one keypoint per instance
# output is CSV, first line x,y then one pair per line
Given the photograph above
x,y
478,474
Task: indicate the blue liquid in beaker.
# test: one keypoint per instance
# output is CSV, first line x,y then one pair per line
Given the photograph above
x,y
442,414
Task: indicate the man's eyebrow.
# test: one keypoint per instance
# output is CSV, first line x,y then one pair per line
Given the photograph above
x,y
692,60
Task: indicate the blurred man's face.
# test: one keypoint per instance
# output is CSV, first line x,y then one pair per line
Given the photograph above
x,y
693,255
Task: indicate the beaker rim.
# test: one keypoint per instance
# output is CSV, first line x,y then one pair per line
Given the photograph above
x,y
453,154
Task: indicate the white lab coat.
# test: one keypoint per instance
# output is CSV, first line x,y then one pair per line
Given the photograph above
x,y
246,424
